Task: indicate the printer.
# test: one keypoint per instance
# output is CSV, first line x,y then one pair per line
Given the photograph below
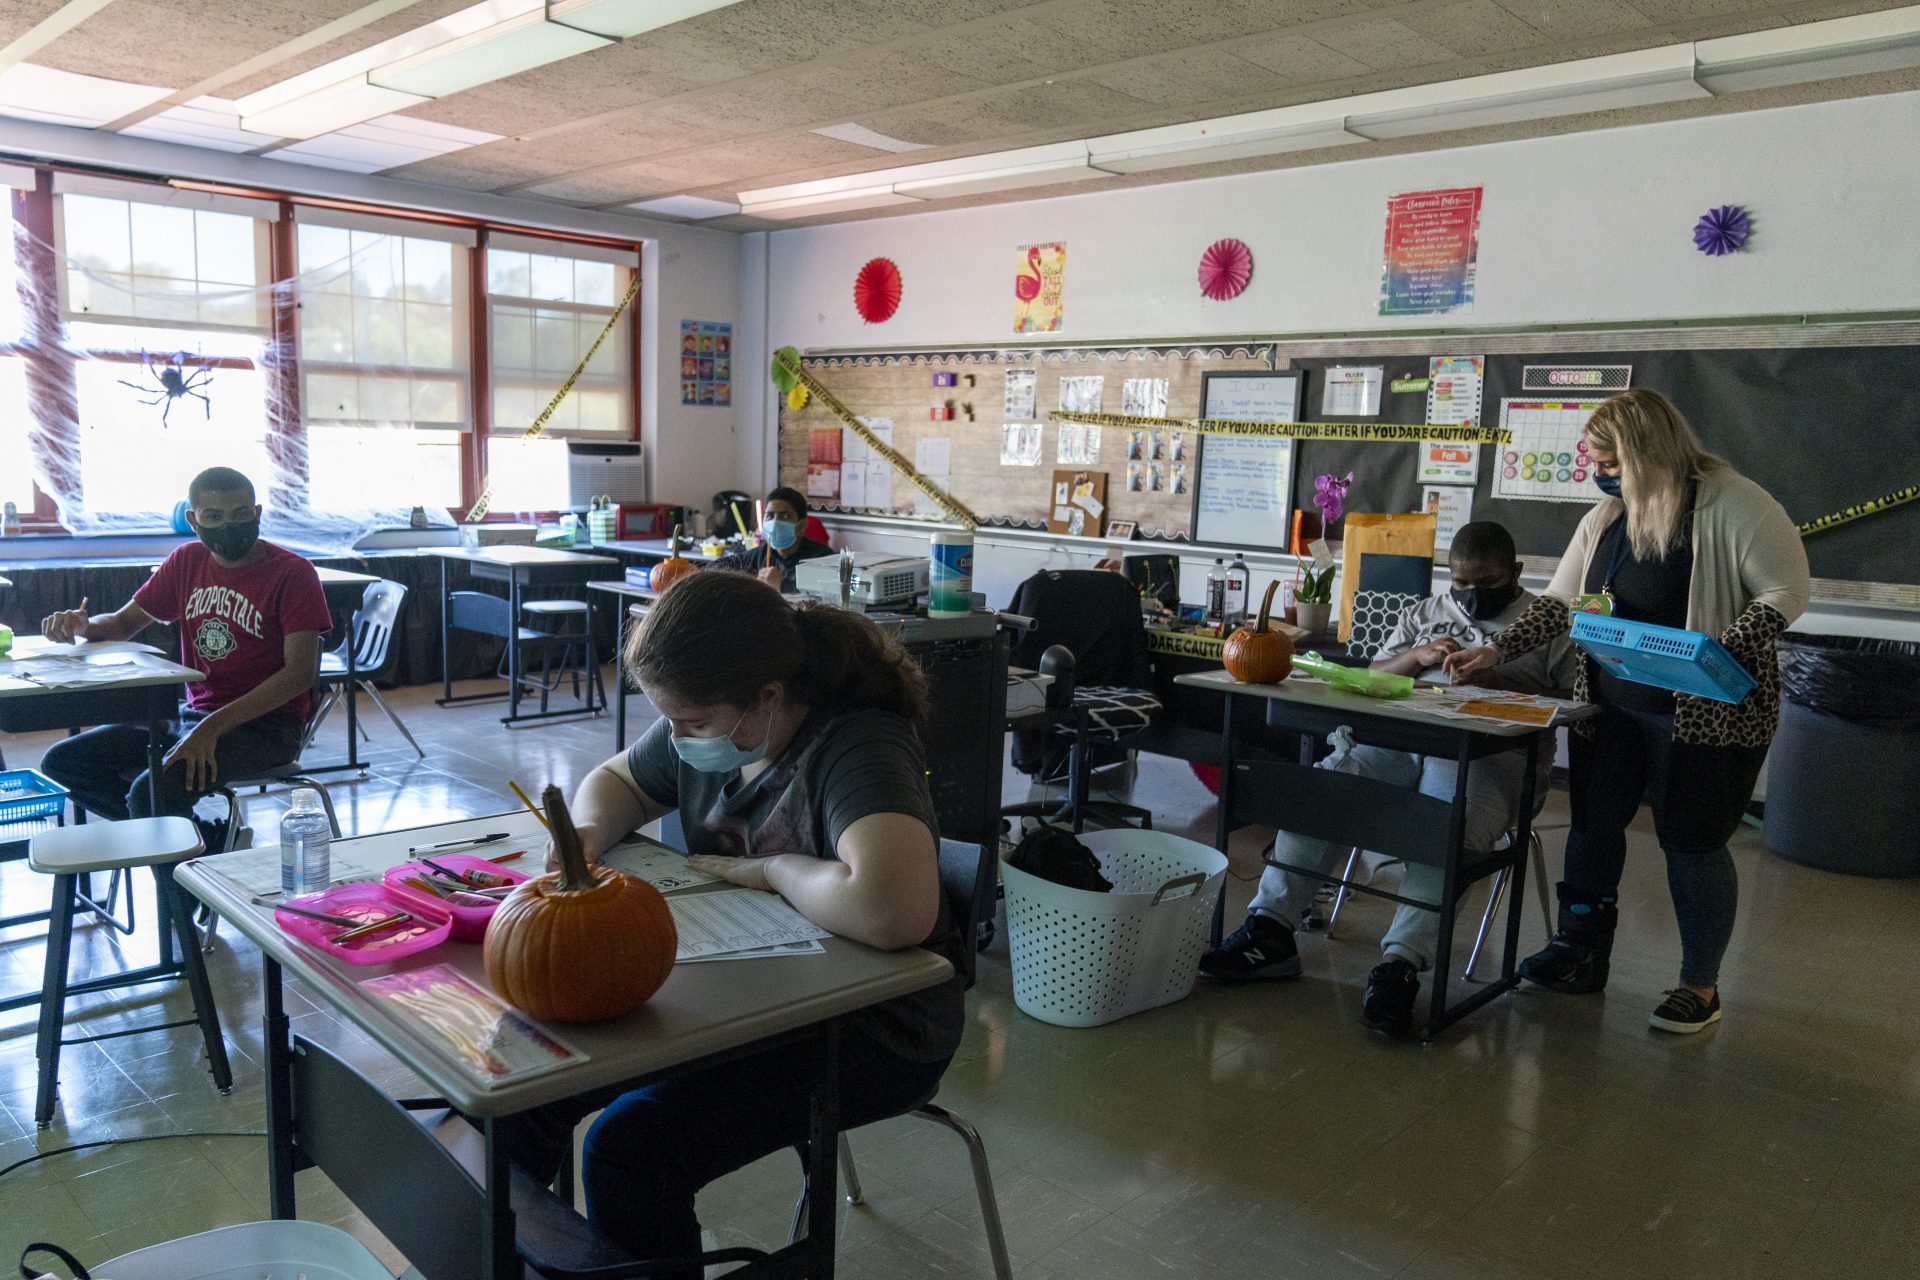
x,y
878,581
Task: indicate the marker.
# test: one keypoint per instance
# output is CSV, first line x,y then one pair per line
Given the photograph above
x,y
455,844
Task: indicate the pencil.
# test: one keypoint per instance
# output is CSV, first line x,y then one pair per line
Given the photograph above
x,y
531,807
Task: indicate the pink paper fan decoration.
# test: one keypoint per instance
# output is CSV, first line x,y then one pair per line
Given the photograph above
x,y
1225,268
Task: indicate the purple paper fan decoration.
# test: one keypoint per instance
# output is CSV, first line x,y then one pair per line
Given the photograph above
x,y
1721,231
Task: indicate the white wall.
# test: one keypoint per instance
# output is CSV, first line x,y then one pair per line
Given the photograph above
x,y
690,274
1584,227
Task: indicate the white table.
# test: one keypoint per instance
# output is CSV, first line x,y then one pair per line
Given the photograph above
x,y
703,1012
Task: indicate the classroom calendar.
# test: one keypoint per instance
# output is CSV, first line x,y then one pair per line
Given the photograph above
x,y
1546,460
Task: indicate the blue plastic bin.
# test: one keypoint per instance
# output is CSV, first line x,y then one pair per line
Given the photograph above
x,y
1664,657
27,796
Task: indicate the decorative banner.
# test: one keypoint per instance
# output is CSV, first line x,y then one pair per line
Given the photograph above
x,y
1360,432
478,510
1039,288
1859,509
788,372
1721,231
877,290
1432,246
1575,377
706,362
1225,268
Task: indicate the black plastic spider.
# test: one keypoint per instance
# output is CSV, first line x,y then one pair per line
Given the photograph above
x,y
173,380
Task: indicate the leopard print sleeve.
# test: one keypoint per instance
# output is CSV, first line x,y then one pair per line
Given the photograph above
x,y
1545,620
1751,636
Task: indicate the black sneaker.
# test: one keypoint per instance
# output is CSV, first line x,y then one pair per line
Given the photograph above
x,y
1683,1012
1260,948
1568,966
1388,1006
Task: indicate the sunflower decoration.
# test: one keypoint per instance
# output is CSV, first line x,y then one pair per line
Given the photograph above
x,y
798,397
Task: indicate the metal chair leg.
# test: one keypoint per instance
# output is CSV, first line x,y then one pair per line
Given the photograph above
x,y
327,699
849,1174
381,703
982,1184
1340,892
1540,881
1486,919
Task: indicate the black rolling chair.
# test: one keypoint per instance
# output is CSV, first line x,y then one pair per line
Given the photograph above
x,y
1089,637
968,878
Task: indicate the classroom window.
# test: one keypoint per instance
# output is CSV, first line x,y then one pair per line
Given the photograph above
x,y
383,363
545,309
16,463
130,463
528,475
126,260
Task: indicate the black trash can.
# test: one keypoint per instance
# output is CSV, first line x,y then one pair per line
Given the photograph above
x,y
1843,778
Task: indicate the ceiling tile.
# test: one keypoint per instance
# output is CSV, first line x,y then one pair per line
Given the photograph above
x,y
1004,52
935,123
884,78
1191,75
1059,104
1299,60
1383,44
1471,27
488,168
17,17
1575,19
181,42
1664,11
759,107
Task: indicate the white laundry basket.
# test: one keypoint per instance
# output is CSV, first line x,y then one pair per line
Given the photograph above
x,y
1081,959
252,1251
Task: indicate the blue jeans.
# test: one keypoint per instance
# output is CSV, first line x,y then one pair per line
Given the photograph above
x,y
1698,794
106,768
653,1148
1493,799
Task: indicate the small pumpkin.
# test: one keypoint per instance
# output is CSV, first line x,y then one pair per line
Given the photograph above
x,y
1262,655
673,568
582,944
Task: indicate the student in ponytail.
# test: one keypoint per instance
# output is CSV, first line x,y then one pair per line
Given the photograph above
x,y
788,741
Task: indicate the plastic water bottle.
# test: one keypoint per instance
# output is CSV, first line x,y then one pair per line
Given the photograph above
x,y
306,845
1239,587
1217,591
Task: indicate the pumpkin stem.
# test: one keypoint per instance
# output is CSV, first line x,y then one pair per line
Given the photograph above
x,y
1266,605
673,543
574,873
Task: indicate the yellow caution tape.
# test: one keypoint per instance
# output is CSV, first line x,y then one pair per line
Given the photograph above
x,y
1382,432
1847,515
785,361
478,510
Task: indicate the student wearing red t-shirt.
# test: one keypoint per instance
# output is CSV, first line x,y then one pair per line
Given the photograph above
x,y
251,615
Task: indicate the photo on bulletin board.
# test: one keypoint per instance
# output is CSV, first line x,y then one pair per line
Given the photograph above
x,y
1243,487
1079,505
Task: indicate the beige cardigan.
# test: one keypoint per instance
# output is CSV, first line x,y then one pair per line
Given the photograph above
x,y
1749,583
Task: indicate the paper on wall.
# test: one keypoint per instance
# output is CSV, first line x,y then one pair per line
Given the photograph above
x,y
1352,391
933,455
1089,504
880,485
1451,506
1020,444
1454,385
1019,401
853,484
1082,394
1144,397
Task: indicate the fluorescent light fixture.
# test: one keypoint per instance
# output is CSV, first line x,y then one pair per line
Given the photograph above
x,y
1870,43
28,92
383,143
1636,79
1001,171
694,207
213,123
806,206
861,136
504,48
620,19
336,106
1255,133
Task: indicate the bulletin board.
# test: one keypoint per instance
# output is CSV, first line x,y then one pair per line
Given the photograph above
x,y
1153,488
1824,416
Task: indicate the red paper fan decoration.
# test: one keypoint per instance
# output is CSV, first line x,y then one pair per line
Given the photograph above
x,y
1225,268
876,291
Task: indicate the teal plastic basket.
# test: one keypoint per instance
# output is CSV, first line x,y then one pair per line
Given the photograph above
x,y
1664,657
26,796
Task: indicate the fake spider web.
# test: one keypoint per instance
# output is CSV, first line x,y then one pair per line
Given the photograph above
x,y
119,386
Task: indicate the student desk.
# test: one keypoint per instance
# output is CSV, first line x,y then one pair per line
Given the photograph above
x,y
519,567
345,588
1397,821
143,687
639,599
705,1013
654,549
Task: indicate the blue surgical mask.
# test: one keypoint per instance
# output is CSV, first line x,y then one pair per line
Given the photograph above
x,y
719,755
780,534
1609,485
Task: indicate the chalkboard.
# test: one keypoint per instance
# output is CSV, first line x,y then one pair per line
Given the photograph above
x,y
1242,496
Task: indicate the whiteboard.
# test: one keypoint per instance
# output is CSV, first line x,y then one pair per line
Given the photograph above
x,y
1243,495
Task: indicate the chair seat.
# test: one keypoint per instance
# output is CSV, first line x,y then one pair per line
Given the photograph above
x,y
104,846
551,607
1112,713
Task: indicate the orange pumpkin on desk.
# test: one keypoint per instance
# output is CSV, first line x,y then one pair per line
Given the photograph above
x,y
1262,655
582,944
673,568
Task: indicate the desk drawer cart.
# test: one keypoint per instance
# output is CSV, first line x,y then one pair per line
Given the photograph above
x,y
1081,959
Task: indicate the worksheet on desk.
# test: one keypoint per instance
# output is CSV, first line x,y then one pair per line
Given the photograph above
x,y
663,868
737,920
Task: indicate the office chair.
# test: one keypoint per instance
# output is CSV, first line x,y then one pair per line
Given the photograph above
x,y
1099,697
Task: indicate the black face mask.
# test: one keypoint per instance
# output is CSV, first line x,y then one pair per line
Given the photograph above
x,y
231,541
1481,603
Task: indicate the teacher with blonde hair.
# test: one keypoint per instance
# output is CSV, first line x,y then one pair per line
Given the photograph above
x,y
1678,539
